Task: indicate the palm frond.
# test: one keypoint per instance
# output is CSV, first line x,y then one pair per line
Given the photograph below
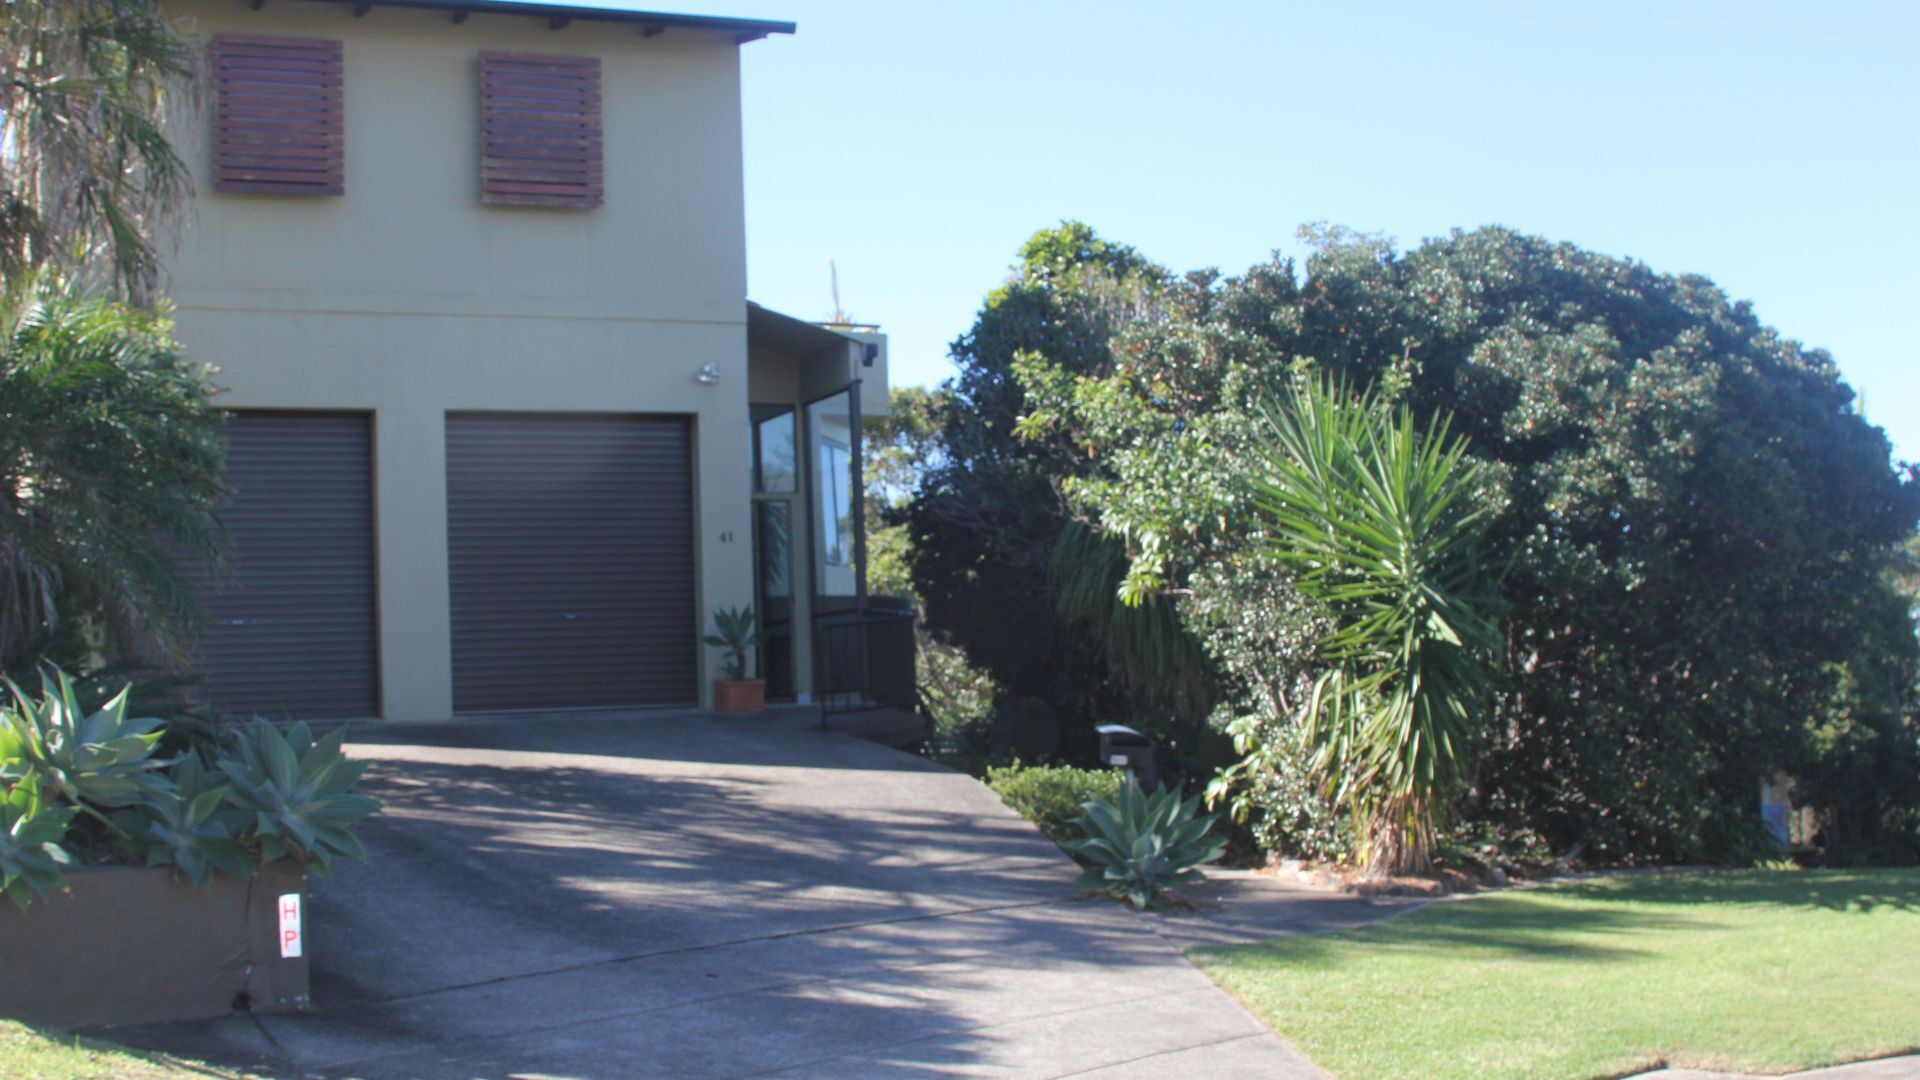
x,y
1148,650
111,468
87,176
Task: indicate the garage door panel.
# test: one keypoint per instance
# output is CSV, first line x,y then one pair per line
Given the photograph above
x,y
291,628
570,555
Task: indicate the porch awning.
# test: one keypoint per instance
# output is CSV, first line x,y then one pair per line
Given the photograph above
x,y
831,360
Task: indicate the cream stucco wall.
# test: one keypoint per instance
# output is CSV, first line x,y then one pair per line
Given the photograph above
x,y
772,378
407,298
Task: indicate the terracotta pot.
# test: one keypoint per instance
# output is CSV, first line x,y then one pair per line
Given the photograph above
x,y
737,697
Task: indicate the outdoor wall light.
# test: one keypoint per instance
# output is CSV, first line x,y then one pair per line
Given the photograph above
x,y
707,375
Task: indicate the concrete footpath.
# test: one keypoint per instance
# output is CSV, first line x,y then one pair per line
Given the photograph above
x,y
674,895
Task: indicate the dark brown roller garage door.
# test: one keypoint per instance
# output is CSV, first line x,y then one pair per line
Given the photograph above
x,y
290,631
570,550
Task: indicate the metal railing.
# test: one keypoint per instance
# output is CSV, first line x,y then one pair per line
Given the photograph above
x,y
864,660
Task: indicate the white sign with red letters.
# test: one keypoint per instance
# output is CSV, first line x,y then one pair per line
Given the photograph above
x,y
289,925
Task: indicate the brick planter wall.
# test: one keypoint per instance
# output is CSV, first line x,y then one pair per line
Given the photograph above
x,y
132,945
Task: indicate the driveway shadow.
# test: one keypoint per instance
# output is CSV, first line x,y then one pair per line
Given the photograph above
x,y
710,898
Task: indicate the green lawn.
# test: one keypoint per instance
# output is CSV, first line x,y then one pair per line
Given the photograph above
x,y
30,1054
1761,971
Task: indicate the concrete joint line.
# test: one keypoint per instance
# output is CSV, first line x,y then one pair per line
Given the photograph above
x,y
1165,1053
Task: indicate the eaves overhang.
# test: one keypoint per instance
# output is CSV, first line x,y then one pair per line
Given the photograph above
x,y
769,329
558,16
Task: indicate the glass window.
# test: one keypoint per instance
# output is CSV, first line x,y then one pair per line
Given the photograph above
x,y
774,469
830,444
836,504
776,534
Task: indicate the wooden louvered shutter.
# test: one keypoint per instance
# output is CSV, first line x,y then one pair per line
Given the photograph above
x,y
277,120
540,130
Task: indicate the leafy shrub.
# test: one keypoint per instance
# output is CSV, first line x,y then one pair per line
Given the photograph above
x,y
952,693
1053,796
1139,847
1271,792
1477,847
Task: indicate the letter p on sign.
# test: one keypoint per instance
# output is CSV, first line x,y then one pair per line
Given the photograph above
x,y
289,925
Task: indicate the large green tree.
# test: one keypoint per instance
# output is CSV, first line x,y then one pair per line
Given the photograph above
x,y
990,532
1698,527
1695,527
900,448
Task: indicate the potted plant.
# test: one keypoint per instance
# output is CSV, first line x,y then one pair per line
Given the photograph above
x,y
736,632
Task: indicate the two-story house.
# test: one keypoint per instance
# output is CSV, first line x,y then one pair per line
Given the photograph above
x,y
505,429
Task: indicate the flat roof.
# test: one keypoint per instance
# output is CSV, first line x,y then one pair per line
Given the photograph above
x,y
559,15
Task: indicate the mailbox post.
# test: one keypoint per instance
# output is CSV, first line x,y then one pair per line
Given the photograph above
x,y
1122,747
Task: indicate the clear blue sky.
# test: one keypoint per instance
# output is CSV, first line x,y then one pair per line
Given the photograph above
x,y
1774,147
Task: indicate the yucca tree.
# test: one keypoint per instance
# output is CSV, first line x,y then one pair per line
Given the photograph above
x,y
87,176
1384,521
111,464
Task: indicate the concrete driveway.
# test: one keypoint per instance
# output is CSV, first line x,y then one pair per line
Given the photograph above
x,y
657,895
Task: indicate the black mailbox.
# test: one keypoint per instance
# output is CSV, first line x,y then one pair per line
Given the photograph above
x,y
1121,747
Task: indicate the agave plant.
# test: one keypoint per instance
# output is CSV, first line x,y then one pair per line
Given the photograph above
x,y
270,795
194,827
298,792
737,633
1139,846
31,858
98,759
